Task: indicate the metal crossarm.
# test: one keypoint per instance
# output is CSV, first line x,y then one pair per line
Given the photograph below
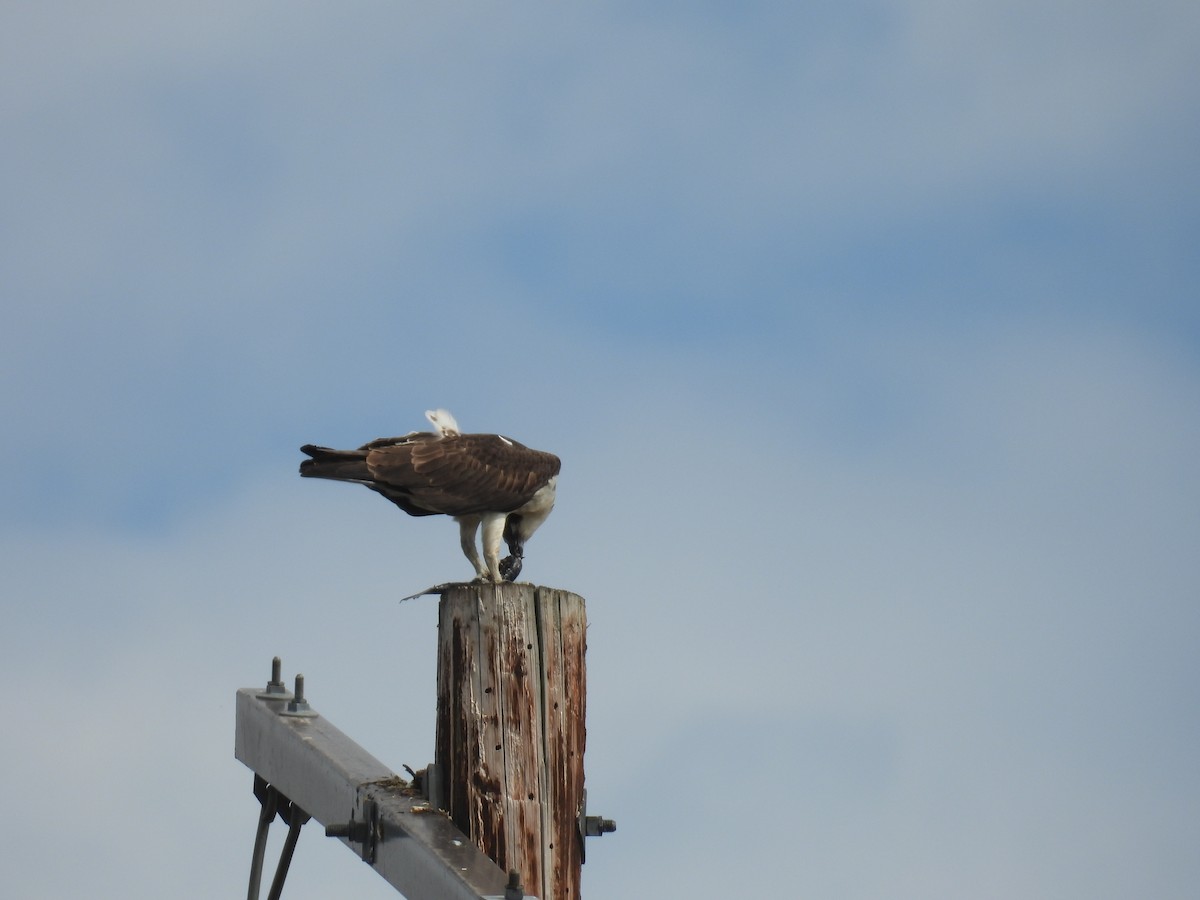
x,y
414,847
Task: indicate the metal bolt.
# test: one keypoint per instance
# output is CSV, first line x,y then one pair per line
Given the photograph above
x,y
366,832
275,689
355,831
590,826
298,706
514,890
594,826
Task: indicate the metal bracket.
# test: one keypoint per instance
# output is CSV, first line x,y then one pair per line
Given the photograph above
x,y
591,826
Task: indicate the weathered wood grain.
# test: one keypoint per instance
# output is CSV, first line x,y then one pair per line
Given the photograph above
x,y
511,726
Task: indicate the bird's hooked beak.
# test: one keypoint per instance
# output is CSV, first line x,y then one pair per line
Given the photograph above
x,y
510,566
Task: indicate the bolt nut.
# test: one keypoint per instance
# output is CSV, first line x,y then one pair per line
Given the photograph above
x,y
594,826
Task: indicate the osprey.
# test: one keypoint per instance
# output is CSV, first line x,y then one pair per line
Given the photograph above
x,y
478,479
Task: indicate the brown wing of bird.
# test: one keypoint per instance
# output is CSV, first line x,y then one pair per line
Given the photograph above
x,y
459,475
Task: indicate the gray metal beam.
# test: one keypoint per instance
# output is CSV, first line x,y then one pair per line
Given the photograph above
x,y
418,850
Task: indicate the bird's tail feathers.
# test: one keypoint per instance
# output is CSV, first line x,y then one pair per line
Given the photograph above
x,y
339,465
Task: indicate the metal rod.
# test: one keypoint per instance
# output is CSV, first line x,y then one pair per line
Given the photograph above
x,y
266,815
285,855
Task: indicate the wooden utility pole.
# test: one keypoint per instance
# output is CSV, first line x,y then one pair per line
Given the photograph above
x,y
510,727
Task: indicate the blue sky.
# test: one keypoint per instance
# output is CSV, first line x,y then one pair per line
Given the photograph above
x,y
869,336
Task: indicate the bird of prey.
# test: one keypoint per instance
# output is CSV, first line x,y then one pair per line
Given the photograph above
x,y
478,479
